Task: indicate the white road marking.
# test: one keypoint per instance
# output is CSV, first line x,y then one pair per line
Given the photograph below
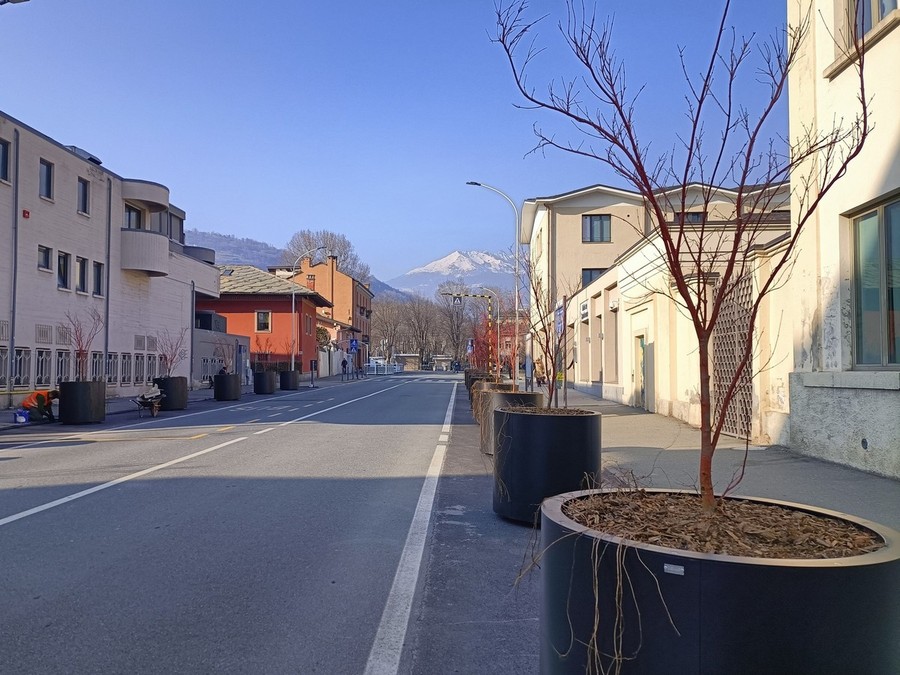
x,y
263,431
384,659
97,488
275,415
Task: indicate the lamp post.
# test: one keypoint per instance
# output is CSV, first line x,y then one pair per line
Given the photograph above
x,y
515,366
294,300
497,328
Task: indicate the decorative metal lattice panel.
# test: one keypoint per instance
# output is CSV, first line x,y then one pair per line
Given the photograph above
x,y
729,342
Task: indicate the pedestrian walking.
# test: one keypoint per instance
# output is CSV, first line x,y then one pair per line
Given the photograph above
x,y
344,370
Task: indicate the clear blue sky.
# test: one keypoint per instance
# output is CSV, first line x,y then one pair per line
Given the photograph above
x,y
366,118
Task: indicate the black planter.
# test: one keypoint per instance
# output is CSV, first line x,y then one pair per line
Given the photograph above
x,y
491,400
264,383
540,455
227,387
472,378
289,380
82,402
482,387
734,614
175,390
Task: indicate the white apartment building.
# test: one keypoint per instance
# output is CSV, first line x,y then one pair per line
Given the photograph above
x,y
78,239
845,388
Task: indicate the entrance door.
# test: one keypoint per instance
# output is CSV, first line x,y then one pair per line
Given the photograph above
x,y
638,372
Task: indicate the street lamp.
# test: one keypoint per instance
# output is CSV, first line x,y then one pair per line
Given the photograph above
x,y
515,366
294,300
3,2
497,328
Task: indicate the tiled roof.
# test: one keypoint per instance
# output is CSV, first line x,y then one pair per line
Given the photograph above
x,y
250,280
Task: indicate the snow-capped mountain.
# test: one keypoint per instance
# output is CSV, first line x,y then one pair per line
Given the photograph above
x,y
474,268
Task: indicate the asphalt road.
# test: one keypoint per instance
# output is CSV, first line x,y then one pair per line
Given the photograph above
x,y
263,536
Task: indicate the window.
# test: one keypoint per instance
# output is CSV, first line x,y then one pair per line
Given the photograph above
x,y
309,323
126,368
45,256
151,367
81,275
876,235
264,322
596,228
112,368
42,363
138,368
871,12
589,274
63,365
22,367
98,278
690,217
96,366
4,365
84,196
46,179
4,160
62,270
133,218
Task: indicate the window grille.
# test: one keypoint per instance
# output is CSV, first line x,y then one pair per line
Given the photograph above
x,y
97,366
729,341
138,368
63,335
112,368
4,365
151,343
4,330
22,367
43,334
63,365
140,342
42,364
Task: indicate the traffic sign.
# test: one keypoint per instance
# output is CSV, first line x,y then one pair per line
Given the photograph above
x,y
457,301
354,346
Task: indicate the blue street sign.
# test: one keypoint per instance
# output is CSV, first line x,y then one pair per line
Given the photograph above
x,y
354,346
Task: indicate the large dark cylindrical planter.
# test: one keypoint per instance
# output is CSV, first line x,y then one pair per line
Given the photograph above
x,y
542,454
734,614
264,383
289,380
227,387
478,391
491,400
82,402
175,390
475,376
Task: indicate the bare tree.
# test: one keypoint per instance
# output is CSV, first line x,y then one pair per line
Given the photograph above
x,y
737,152
452,315
81,334
336,244
419,317
171,349
387,325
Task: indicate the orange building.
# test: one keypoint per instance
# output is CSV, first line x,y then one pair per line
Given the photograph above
x,y
349,311
260,306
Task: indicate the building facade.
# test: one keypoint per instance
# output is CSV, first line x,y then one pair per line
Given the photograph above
x,y
845,388
88,251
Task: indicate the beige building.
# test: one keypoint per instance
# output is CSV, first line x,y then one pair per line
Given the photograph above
x,y
78,240
845,389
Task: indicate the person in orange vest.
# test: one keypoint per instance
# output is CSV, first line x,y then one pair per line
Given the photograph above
x,y
39,405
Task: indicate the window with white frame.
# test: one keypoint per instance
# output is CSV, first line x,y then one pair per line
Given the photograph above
x,y
126,369
97,366
112,368
84,196
46,183
63,260
877,286
63,365
870,13
22,367
45,258
596,228
4,365
4,160
43,362
264,321
81,275
138,368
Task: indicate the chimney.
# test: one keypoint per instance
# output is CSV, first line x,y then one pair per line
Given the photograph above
x,y
311,281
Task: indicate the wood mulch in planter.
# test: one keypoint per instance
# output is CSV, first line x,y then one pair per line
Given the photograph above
x,y
533,410
739,527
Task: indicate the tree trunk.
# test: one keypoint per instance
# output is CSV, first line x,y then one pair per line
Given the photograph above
x,y
707,498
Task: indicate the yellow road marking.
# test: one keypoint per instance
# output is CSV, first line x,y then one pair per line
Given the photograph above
x,y
225,428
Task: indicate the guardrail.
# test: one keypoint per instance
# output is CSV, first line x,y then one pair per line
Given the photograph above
x,y
383,368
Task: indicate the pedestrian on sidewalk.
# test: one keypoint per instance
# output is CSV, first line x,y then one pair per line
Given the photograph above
x,y
344,370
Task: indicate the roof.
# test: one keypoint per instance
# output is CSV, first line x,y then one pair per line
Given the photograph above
x,y
250,280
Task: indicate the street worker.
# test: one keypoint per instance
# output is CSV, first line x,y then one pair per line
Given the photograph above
x,y
39,405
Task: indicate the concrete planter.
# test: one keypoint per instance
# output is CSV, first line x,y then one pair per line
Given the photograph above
x,y
175,390
264,383
82,402
733,614
540,455
289,380
227,387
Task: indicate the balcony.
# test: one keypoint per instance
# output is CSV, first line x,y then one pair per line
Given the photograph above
x,y
145,251
151,196
201,253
